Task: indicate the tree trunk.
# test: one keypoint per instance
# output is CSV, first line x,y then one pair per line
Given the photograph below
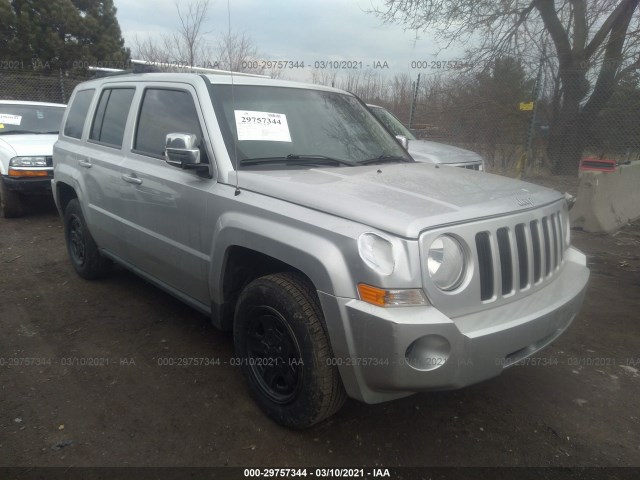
x,y
568,138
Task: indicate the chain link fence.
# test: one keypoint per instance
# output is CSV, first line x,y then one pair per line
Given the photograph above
x,y
45,86
501,134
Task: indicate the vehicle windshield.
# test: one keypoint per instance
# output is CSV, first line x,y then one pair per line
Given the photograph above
x,y
294,126
16,118
392,123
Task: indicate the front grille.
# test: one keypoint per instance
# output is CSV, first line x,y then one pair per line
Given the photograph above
x,y
472,166
519,256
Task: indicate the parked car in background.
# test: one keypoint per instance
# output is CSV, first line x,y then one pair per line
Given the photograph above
x,y
425,150
28,131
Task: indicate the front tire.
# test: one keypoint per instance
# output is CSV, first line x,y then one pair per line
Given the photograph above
x,y
11,205
284,351
83,251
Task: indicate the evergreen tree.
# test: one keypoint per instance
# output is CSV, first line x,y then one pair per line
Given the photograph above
x,y
61,33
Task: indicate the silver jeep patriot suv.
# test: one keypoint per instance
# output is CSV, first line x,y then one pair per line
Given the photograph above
x,y
287,213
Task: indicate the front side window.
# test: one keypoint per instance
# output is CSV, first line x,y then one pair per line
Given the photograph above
x,y
78,113
16,118
162,112
111,115
268,123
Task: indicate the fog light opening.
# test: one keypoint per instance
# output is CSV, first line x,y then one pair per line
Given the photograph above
x,y
428,352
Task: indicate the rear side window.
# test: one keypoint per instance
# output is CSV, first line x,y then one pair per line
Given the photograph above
x,y
111,116
78,113
162,112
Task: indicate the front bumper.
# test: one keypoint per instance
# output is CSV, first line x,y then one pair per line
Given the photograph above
x,y
369,343
28,184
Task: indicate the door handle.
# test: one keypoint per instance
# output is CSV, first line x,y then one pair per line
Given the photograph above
x,y
131,179
84,163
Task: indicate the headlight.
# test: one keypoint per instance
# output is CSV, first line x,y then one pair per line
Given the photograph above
x,y
446,263
377,253
28,162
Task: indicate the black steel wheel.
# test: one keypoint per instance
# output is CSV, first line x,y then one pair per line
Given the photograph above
x,y
273,355
83,251
283,348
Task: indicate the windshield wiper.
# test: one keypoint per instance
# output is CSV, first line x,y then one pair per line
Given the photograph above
x,y
293,159
384,159
30,132
21,132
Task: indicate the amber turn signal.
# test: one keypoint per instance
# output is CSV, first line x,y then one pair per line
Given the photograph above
x,y
391,298
28,173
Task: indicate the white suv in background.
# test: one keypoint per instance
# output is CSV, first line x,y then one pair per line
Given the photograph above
x,y
28,131
425,150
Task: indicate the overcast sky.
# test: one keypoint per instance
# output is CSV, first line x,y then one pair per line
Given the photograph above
x,y
298,30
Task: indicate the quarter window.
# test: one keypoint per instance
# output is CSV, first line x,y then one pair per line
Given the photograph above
x,y
164,111
111,116
78,113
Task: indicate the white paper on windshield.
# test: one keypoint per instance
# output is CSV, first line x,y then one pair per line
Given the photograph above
x,y
264,126
9,119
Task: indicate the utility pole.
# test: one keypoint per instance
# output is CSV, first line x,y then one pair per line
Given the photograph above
x,y
413,102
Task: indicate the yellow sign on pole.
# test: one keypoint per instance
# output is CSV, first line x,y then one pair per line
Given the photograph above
x,y
526,106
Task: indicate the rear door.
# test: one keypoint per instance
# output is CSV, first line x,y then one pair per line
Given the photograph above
x,y
100,158
90,151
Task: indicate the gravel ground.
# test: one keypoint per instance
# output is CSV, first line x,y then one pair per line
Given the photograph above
x,y
582,408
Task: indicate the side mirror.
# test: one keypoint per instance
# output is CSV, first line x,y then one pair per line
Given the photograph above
x,y
404,141
181,150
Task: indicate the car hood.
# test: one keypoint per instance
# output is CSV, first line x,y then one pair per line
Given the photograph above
x,y
434,152
403,199
26,145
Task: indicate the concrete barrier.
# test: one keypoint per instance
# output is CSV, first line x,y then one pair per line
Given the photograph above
x,y
607,200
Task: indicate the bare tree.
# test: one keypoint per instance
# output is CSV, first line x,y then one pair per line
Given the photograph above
x,y
186,46
238,53
324,77
190,29
161,49
592,45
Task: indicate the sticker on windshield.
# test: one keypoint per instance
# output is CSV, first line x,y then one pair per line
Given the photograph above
x,y
9,119
264,126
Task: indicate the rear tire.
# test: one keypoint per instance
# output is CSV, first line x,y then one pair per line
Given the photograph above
x,y
83,251
284,352
11,205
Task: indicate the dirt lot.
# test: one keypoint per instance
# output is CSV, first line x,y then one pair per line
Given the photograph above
x,y
582,409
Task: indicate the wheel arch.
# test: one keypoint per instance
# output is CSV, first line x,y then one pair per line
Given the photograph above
x,y
64,194
240,255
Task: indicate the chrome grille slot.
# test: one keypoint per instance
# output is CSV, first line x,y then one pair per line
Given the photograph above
x,y
548,253
523,255
485,260
537,251
506,267
554,231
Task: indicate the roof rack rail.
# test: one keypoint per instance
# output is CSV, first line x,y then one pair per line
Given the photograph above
x,y
100,72
140,66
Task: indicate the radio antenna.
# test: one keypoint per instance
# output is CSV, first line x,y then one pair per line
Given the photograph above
x,y
233,102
